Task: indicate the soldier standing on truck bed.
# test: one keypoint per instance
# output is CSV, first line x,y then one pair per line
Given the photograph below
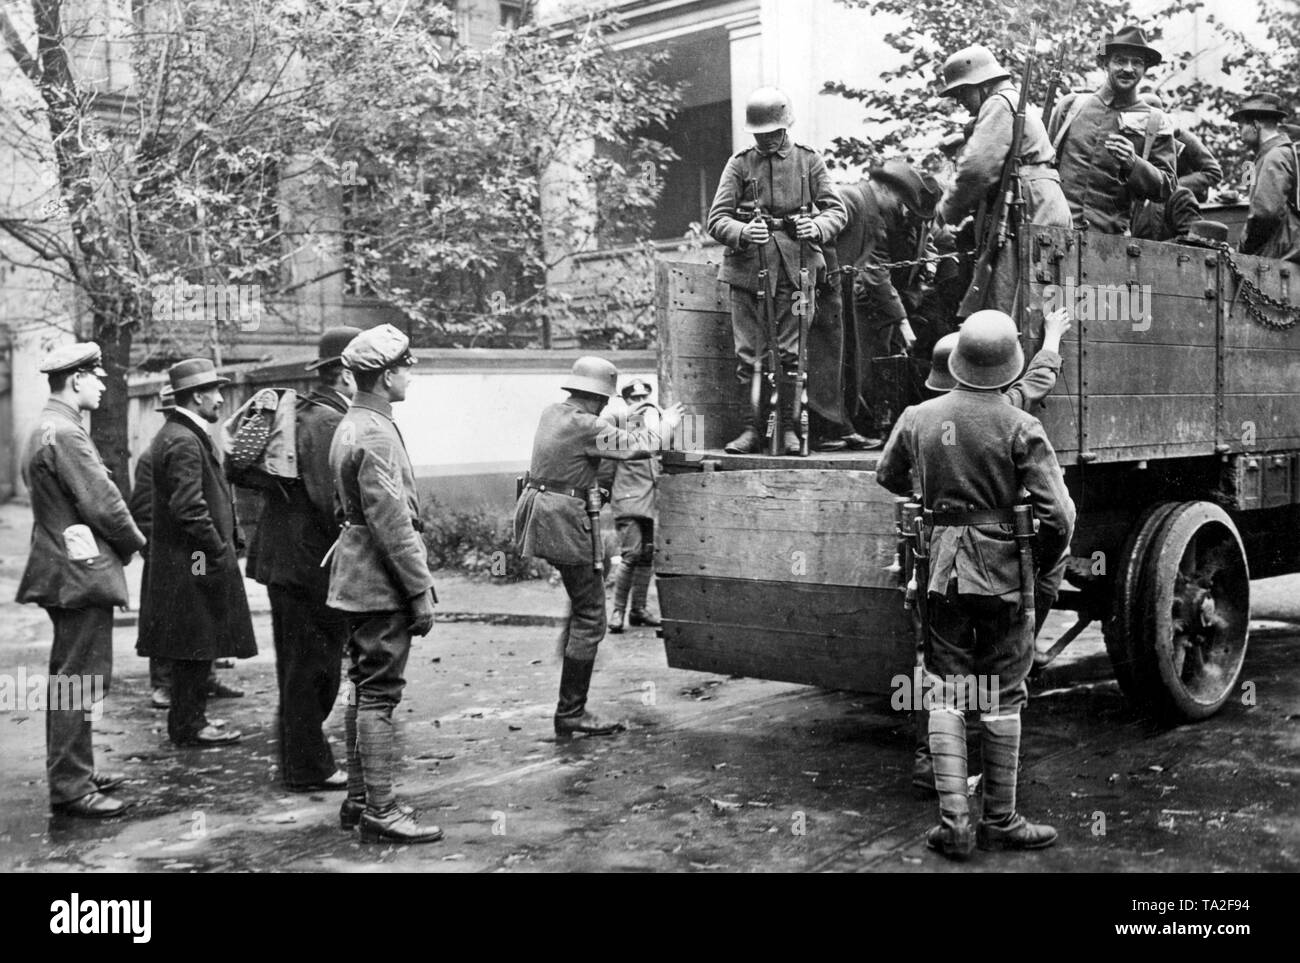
x,y
1112,148
785,184
555,517
973,454
1273,225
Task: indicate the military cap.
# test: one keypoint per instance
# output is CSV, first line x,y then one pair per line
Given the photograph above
x,y
80,356
1205,233
332,342
194,373
1262,106
1130,38
166,399
378,348
637,387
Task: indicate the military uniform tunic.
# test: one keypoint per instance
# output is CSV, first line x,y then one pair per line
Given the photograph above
x,y
567,452
77,582
779,178
972,450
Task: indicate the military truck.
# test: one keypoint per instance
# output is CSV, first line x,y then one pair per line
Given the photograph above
x,y
1176,419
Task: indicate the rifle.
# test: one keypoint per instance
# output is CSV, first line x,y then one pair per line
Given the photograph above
x,y
768,316
1058,71
804,311
1006,202
1024,531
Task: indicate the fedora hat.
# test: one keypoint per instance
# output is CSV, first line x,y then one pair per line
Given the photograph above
x,y
1132,38
919,192
1265,106
329,349
194,373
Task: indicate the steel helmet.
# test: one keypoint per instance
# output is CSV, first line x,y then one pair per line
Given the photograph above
x,y
988,352
768,109
970,65
940,378
596,376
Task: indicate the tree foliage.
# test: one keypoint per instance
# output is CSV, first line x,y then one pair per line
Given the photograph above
x,y
913,117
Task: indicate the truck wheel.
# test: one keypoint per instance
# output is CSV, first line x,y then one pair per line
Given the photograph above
x,y
1194,601
1123,630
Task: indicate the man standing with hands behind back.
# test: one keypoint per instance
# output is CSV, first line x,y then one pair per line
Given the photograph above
x,y
379,578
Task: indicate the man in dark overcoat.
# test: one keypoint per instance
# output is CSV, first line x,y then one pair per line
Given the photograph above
x,y
82,534
195,609
296,529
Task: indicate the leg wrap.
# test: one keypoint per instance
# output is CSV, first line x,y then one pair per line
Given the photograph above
x,y
1000,750
948,749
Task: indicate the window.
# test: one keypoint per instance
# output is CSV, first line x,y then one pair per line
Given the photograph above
x,y
512,14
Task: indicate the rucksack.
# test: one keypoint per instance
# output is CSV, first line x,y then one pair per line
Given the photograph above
x,y
260,438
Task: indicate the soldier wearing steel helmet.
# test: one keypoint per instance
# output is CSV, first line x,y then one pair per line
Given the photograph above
x,y
974,78
1114,149
973,455
379,580
551,520
776,177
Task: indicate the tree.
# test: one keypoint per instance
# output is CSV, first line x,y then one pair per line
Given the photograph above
x,y
355,137
907,105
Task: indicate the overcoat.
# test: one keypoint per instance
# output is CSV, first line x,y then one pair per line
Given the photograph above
x,y
195,607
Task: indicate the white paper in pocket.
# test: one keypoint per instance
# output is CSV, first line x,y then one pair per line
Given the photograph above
x,y
79,542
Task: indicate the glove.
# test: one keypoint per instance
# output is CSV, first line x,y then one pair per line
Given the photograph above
x,y
422,613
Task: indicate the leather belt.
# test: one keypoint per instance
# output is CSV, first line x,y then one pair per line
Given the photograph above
x,y
982,516
544,485
350,522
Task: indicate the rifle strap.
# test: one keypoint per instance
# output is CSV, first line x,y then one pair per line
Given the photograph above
x,y
1154,119
1076,106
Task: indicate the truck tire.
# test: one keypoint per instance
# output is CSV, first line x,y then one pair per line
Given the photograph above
x,y
1123,629
1193,605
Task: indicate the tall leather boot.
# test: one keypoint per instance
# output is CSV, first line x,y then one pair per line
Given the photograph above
x,y
952,837
1001,827
789,389
750,441
571,715
641,576
622,585
384,820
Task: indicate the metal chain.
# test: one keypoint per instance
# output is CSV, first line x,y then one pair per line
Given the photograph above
x,y
891,265
1254,297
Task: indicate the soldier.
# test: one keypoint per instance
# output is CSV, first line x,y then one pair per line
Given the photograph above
x,y
82,534
551,520
778,179
380,578
974,453
193,609
974,78
1027,394
1273,225
632,496
1197,171
296,530
888,220
141,505
1112,148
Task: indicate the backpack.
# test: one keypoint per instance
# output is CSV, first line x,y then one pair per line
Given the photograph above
x,y
260,439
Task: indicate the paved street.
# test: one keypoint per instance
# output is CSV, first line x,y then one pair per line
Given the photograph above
x,y
715,774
